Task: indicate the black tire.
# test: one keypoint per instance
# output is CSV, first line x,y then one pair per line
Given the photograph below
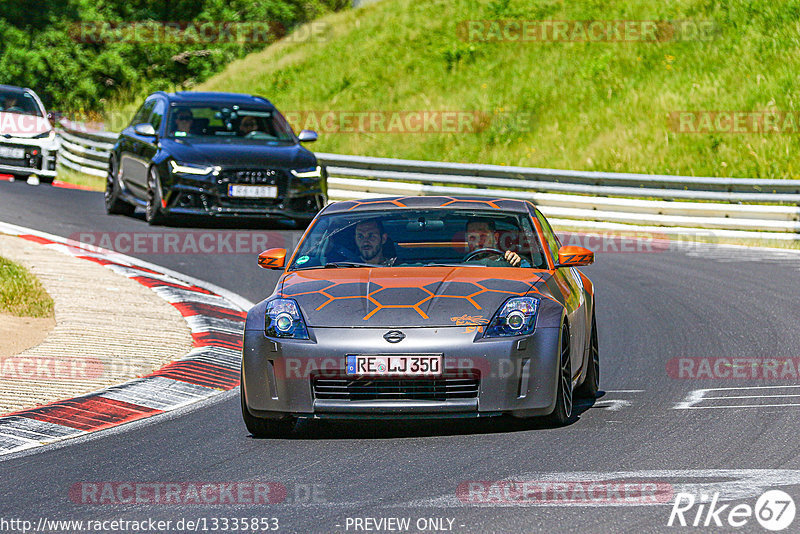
x,y
591,384
562,412
114,204
153,212
265,428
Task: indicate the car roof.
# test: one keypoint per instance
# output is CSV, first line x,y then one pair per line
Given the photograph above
x,y
455,202
194,97
15,88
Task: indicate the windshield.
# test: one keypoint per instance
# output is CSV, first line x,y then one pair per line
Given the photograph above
x,y
21,102
228,123
406,238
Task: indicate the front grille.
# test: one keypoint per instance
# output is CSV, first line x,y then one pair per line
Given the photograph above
x,y
277,177
453,384
14,162
253,176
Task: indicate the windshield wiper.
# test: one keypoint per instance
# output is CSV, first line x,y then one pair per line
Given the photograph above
x,y
345,264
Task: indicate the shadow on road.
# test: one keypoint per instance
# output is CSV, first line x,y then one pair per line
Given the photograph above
x,y
309,429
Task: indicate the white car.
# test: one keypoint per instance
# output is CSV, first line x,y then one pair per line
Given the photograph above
x,y
28,142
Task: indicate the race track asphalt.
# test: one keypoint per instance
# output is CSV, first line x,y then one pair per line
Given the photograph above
x,y
651,308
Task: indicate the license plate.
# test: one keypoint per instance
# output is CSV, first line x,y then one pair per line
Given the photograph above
x,y
12,153
394,365
253,191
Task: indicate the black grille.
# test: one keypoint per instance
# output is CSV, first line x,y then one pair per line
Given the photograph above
x,y
14,162
453,384
252,176
275,177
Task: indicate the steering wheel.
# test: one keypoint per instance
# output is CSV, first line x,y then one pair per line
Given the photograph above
x,y
480,251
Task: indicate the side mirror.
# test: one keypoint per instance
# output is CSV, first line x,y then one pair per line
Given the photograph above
x,y
307,136
571,256
273,258
146,129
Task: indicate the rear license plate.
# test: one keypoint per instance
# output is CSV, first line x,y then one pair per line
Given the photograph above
x,y
12,153
406,365
253,191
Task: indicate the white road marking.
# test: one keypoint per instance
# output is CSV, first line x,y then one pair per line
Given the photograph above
x,y
693,398
613,405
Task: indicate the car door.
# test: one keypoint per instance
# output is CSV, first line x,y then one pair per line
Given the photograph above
x,y
571,287
132,175
149,145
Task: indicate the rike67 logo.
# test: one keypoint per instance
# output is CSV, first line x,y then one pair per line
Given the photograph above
x,y
774,510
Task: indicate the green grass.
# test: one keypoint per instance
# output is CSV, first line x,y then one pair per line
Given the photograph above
x,y
594,106
95,183
21,294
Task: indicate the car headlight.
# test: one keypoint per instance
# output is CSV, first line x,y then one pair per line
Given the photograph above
x,y
188,168
517,317
316,172
283,319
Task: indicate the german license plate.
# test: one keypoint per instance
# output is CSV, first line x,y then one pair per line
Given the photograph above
x,y
12,153
404,365
252,191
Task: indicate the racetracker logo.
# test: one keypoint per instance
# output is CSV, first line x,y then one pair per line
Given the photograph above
x,y
177,493
15,124
210,32
533,492
291,368
407,122
172,242
586,31
735,122
774,510
716,368
57,369
634,242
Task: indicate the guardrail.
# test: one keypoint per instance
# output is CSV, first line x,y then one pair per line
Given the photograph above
x,y
730,207
85,150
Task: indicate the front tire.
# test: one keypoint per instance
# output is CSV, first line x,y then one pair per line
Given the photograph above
x,y
265,428
153,212
114,204
591,384
563,410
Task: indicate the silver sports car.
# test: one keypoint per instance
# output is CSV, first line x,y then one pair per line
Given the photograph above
x,y
421,307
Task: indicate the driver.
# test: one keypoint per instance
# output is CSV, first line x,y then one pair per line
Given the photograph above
x,y
10,104
370,240
249,124
481,233
184,120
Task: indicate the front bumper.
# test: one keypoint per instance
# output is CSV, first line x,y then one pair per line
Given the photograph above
x,y
40,157
194,197
516,375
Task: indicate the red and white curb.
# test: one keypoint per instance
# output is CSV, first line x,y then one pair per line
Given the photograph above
x,y
55,183
216,319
